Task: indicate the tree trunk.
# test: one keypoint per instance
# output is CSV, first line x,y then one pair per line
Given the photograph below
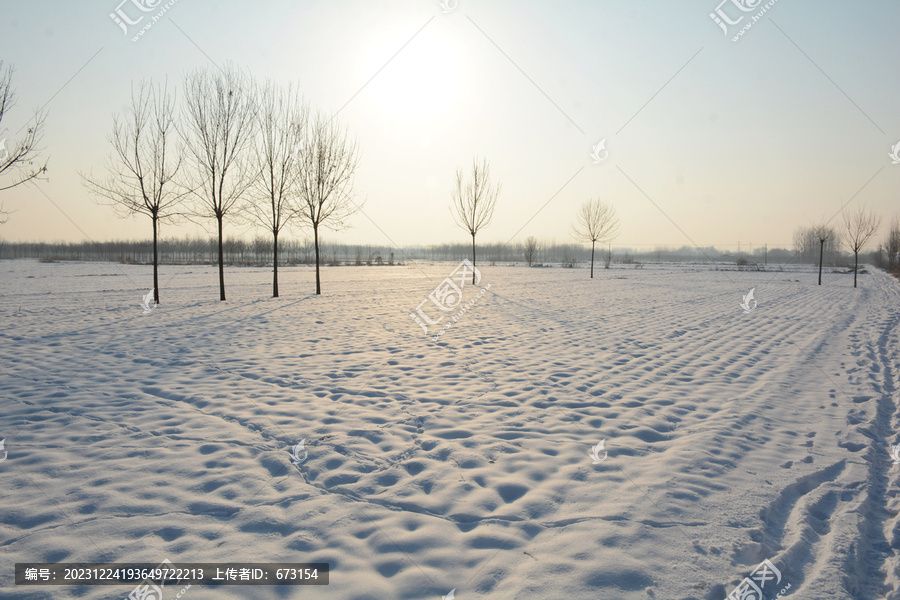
x,y
221,262
316,238
592,259
275,265
821,253
155,263
473,259
855,266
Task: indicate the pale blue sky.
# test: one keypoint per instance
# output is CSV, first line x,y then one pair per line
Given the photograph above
x,y
747,141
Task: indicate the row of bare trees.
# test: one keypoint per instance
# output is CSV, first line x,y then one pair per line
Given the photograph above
x,y
475,197
859,227
238,150
252,152
891,247
474,200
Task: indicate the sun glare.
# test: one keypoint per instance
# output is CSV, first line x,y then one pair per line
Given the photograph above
x,y
424,80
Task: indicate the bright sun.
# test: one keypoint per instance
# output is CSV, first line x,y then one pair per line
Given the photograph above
x,y
423,80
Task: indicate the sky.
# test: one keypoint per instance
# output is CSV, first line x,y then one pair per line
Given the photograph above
x,y
708,141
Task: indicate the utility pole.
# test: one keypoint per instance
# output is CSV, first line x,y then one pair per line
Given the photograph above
x,y
767,254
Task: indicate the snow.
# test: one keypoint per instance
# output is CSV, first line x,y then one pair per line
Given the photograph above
x,y
465,464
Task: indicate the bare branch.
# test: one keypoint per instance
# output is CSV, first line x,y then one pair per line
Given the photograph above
x,y
18,158
143,165
859,228
282,118
219,119
597,222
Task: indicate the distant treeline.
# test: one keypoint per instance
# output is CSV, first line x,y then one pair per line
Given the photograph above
x,y
295,252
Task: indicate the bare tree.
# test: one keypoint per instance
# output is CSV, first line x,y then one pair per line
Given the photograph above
x,y
143,164
219,123
892,246
325,167
597,222
531,246
474,201
807,245
825,235
281,121
858,230
18,157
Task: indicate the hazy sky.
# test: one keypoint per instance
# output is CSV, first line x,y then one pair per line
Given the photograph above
x,y
734,141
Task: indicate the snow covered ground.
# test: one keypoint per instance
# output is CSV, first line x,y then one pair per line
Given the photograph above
x,y
731,437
